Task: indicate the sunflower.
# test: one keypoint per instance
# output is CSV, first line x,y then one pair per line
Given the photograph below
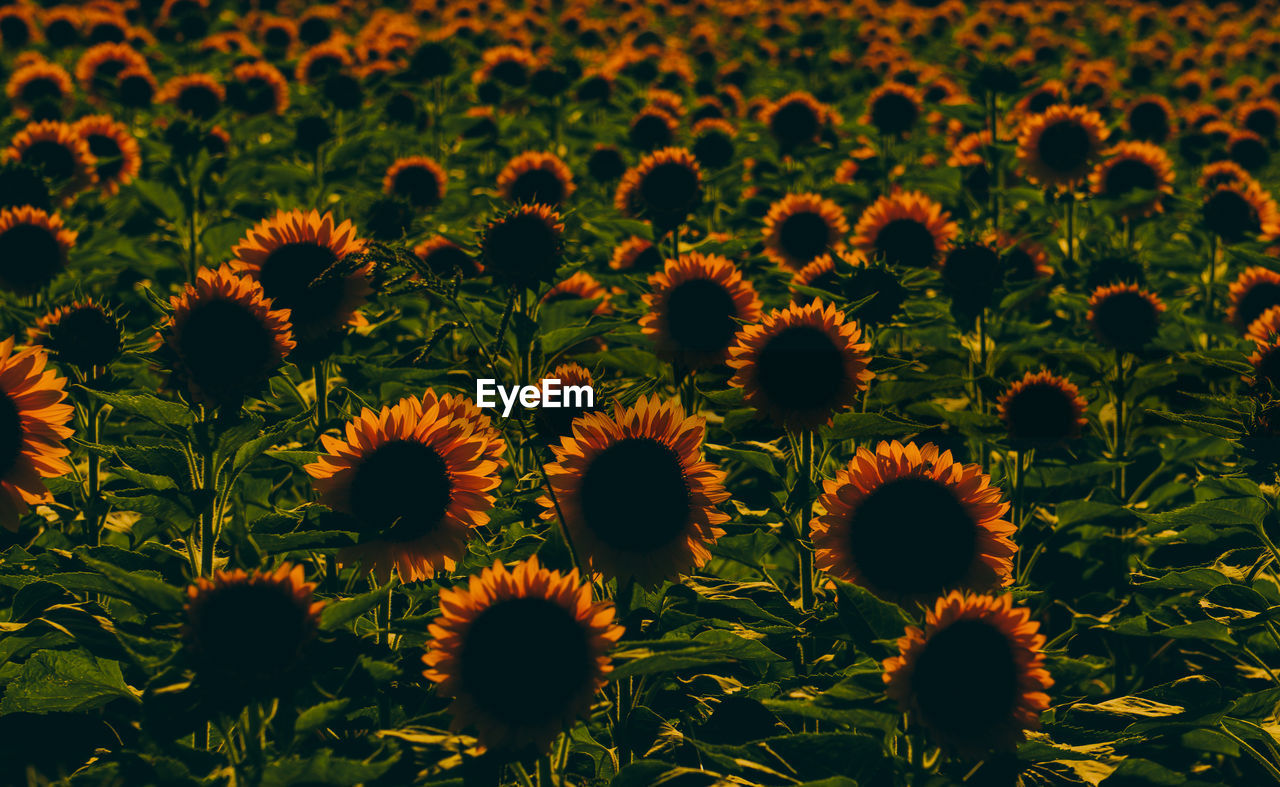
x,y
117,157
1252,293
801,365
536,177
35,426
18,26
442,257
1223,173
818,275
665,187
198,95
1266,327
62,26
713,142
258,88
415,480
1265,361
1058,148
796,119
418,179
695,305
85,334
893,108
33,248
1240,210
637,499
605,164
289,253
224,338
514,695
37,87
509,65
652,128
137,87
1124,316
1022,259
800,227
1130,167
971,272
905,228
1261,116
636,253
247,632
974,676
57,152
278,33
909,522
524,246
580,286
1042,409
321,61
1150,118
1248,149
555,423
99,67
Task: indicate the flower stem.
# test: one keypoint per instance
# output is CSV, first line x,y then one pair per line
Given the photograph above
x,y
804,475
321,376
209,471
1121,437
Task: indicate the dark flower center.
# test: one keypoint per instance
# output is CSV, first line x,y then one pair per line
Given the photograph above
x,y
525,660
794,123
1230,215
912,536
29,257
287,274
14,31
713,150
255,96
277,38
1148,121
136,91
1256,300
109,159
970,275
53,158
606,164
314,30
1250,153
801,369
700,316
804,235
1129,175
40,89
11,434
522,249
249,632
199,101
445,259
670,190
884,289
649,132
538,185
85,337
634,495
894,113
1064,147
510,72
906,242
1040,102
225,349
965,680
22,185
1262,122
1041,413
401,491
418,184
1125,320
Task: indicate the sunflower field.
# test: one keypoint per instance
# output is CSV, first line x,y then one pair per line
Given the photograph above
x,y
571,393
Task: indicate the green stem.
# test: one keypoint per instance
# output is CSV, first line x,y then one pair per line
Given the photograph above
x,y
94,491
209,472
1254,753
545,778
1208,287
321,375
1071,231
1121,436
804,475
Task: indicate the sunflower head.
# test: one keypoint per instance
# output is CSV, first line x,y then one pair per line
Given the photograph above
x,y
246,632
801,365
33,424
1150,118
199,95
1265,360
1240,210
664,188
905,228
536,177
482,653
637,498
893,108
40,90
523,246
55,150
136,87
1124,316
909,522
21,185
636,253
415,478
606,164
1042,409
442,257
971,273
557,423
418,179
1134,167
33,248
652,128
1058,147
795,120
258,88
117,157
86,334
713,142
1253,292
695,306
800,227
974,676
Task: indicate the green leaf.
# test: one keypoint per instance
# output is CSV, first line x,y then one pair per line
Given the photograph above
x,y
324,768
1235,605
868,426
167,414
866,617
136,586
340,613
318,716
65,681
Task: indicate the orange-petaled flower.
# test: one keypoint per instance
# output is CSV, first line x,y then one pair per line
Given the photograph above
x,y
636,253
801,365
1253,292
459,407
818,275
1059,147
55,150
100,65
637,497
245,633
85,334
1240,210
580,286
33,424
1150,118
37,84
905,228
1261,116
116,154
289,253
198,95
795,119
524,246
908,522
1130,167
652,127
415,480
33,248
1124,316
481,654
536,177
695,305
664,188
893,108
509,65
1265,361
258,88
1042,409
320,61
1022,258
224,338
800,227
555,423
1266,328
974,676
418,179
1222,173
442,257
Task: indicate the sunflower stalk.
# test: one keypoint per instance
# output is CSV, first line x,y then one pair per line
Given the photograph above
x,y
804,511
1121,436
320,373
209,485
